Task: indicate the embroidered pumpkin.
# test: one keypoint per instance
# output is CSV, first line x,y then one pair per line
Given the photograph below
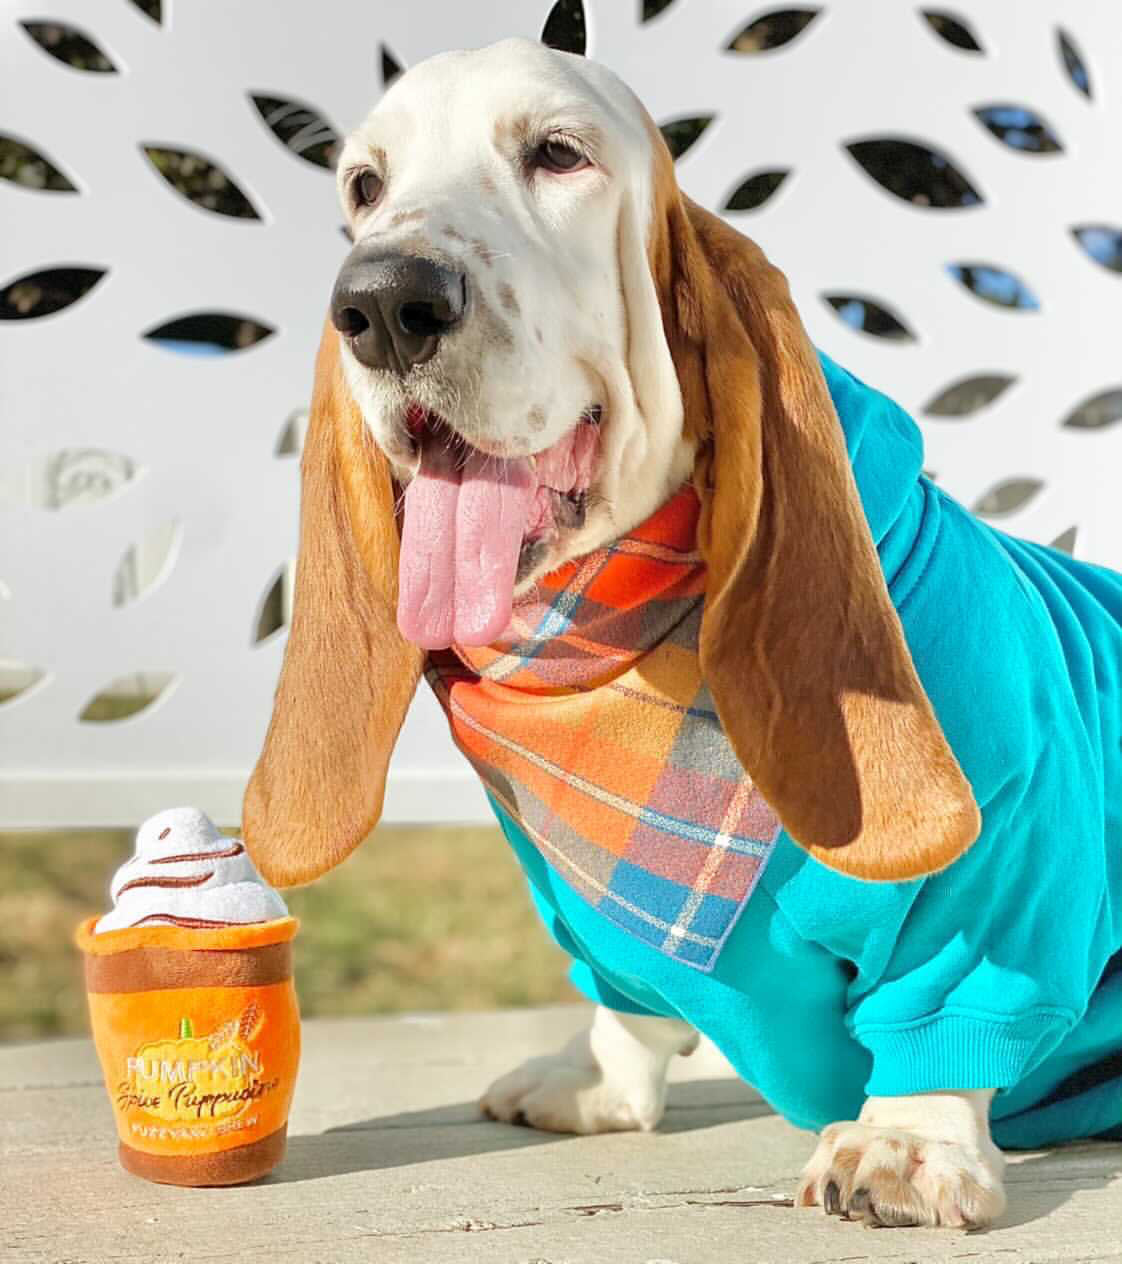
x,y
212,1076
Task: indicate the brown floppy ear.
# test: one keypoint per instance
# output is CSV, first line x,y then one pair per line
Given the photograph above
x,y
348,674
800,644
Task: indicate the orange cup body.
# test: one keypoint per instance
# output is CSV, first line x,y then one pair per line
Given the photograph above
x,y
198,1034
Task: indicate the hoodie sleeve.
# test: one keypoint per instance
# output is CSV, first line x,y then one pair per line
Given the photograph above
x,y
970,978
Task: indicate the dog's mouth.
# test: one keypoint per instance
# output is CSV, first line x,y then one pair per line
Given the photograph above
x,y
475,524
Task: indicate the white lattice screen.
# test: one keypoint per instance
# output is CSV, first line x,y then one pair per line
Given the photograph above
x,y
149,497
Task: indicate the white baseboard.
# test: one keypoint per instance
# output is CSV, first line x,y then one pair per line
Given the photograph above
x,y
94,800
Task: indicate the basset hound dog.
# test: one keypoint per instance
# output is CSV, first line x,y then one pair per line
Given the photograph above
x,y
794,751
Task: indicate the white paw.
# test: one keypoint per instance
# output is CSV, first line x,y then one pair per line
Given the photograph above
x,y
558,1094
888,1178
611,1078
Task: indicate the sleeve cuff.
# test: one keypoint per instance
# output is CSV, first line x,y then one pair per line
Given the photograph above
x,y
588,982
959,1051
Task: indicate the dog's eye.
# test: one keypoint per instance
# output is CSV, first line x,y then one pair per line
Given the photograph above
x,y
555,155
367,188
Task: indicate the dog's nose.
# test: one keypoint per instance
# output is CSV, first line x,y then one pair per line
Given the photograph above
x,y
393,309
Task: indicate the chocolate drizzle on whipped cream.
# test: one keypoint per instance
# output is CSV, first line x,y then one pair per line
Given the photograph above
x,y
167,884
192,923
235,850
211,883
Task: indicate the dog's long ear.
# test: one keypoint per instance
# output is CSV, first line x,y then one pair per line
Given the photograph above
x,y
800,644
348,675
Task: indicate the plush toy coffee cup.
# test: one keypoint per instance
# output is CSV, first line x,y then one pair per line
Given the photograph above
x,y
198,1033
193,1007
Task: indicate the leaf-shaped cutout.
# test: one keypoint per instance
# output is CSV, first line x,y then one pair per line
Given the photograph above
x,y
652,8
1102,243
275,610
69,45
18,679
1073,62
85,476
126,696
291,440
147,563
390,66
565,27
917,173
152,9
1020,128
995,285
1065,541
200,181
683,133
756,190
967,396
952,30
1097,412
44,293
869,317
29,168
1007,497
300,129
772,30
209,333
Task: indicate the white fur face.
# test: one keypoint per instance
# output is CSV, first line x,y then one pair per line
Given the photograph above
x,y
562,318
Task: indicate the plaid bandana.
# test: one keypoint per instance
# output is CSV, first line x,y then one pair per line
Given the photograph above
x,y
590,724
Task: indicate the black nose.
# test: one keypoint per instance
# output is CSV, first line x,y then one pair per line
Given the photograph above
x,y
394,309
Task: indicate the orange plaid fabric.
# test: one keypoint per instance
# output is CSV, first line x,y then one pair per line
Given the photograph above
x,y
591,727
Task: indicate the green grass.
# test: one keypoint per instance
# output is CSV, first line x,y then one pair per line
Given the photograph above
x,y
418,918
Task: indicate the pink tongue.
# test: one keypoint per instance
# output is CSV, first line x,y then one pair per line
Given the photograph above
x,y
459,547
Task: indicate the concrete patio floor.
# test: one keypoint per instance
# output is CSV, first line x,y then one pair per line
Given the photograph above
x,y
389,1160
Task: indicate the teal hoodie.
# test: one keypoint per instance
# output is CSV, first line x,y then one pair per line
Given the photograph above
x,y
1005,970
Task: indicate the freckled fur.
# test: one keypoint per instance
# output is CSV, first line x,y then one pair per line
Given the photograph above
x,y
408,217
512,133
508,299
501,334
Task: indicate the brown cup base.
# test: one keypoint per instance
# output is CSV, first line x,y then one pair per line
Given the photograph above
x,y
223,1167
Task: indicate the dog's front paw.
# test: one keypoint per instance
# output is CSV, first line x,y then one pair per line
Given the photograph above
x,y
889,1178
610,1078
563,1093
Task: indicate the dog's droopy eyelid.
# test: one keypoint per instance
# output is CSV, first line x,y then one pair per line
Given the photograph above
x,y
554,153
359,182
535,156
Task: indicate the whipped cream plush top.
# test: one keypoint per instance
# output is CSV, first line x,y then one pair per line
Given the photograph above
x,y
185,873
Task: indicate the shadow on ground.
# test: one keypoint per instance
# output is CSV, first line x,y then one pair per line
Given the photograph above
x,y
1037,1183
459,1131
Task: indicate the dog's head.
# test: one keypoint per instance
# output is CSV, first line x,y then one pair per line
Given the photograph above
x,y
500,330
538,338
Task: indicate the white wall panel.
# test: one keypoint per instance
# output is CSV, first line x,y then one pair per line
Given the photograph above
x,y
109,441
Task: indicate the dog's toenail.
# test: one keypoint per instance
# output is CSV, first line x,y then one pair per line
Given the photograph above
x,y
860,1200
830,1199
519,1118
